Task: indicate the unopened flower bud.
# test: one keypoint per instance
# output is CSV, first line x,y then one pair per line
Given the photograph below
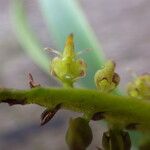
x,y
140,87
106,79
116,140
79,134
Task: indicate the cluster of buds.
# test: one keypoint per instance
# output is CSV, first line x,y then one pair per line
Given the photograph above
x,y
66,67
140,87
106,79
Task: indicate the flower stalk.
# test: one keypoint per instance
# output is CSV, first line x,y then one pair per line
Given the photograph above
x,y
123,109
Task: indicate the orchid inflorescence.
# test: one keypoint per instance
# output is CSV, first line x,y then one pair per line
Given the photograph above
x,y
95,105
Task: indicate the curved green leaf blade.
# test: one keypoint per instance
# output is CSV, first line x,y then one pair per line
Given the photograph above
x,y
26,36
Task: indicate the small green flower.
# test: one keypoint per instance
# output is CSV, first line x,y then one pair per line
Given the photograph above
x,y
106,79
66,67
140,87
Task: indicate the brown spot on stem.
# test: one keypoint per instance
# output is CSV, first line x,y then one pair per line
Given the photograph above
x,y
98,116
14,102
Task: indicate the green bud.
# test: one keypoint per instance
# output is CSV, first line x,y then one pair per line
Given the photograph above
x,y
106,79
140,87
79,134
116,140
67,68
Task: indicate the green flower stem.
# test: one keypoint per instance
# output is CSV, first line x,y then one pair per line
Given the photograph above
x,y
125,110
67,85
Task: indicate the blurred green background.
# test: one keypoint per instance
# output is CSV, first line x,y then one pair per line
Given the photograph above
x,y
122,29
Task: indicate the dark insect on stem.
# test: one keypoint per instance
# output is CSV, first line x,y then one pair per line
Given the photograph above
x,y
12,102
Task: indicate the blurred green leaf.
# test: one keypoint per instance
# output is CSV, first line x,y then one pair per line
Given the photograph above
x,y
26,36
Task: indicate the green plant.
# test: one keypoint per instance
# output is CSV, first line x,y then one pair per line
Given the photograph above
x,y
120,112
75,21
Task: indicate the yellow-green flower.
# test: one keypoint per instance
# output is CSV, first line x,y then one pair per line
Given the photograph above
x,y
66,67
106,79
